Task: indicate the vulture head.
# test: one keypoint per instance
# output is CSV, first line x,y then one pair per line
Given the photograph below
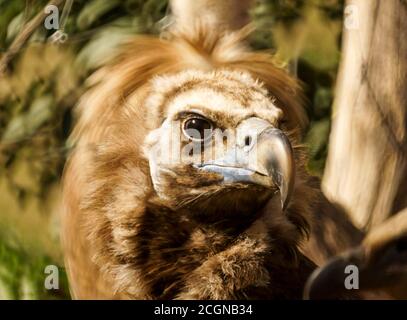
x,y
187,180
381,261
219,149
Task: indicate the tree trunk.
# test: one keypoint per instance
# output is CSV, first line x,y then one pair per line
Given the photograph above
x,y
366,162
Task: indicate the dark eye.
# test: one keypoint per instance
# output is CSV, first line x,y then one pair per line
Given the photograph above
x,y
197,129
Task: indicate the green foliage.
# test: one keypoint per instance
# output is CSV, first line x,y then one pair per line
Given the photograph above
x,y
46,80
22,274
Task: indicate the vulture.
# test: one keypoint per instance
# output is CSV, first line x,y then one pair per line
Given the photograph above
x,y
224,222
188,178
381,261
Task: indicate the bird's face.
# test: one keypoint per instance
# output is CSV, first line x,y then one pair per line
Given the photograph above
x,y
217,147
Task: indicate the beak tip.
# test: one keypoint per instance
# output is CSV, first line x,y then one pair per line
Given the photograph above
x,y
278,158
285,196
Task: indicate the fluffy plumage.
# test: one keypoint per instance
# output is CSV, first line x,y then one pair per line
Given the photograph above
x,y
186,237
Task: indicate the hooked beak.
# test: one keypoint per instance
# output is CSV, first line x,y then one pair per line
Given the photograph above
x,y
263,155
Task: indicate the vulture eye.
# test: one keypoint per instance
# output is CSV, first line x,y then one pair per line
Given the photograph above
x,y
197,128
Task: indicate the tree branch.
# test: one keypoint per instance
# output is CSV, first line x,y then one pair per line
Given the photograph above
x,y
24,36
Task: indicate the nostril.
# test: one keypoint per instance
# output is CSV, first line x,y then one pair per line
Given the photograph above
x,y
248,141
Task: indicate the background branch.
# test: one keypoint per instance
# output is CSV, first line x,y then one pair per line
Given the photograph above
x,y
24,36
